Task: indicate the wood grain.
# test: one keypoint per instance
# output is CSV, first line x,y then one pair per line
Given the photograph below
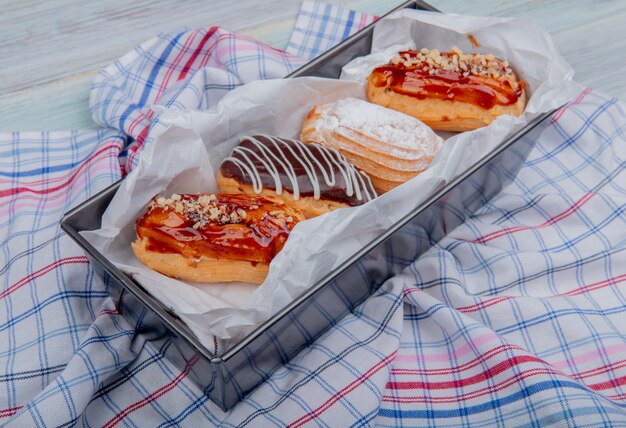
x,y
52,50
590,35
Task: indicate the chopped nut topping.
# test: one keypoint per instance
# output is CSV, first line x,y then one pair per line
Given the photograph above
x,y
433,61
277,214
201,211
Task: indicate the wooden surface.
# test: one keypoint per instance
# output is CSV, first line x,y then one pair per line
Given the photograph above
x,y
52,50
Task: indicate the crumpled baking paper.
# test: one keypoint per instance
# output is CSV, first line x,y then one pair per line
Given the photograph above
x,y
189,147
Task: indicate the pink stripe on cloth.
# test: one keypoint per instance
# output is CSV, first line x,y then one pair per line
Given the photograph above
x,y
345,391
578,291
153,396
571,210
447,371
591,356
10,412
109,151
196,53
47,269
560,111
165,81
456,354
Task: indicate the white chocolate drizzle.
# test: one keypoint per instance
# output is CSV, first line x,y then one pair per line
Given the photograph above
x,y
357,182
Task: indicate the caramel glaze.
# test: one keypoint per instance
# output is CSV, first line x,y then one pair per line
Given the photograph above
x,y
452,85
257,238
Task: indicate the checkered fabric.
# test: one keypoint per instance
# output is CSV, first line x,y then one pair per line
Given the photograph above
x,y
320,26
190,70
517,317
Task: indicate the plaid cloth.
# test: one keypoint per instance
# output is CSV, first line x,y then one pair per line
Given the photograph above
x,y
516,318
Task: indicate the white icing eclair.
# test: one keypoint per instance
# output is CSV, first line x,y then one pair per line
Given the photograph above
x,y
389,146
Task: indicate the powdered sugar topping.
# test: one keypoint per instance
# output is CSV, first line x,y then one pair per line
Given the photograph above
x,y
402,136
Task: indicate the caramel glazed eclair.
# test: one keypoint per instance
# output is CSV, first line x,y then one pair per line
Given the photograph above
x,y
213,238
309,177
448,91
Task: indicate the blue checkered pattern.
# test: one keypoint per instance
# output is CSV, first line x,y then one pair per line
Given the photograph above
x,y
193,69
515,318
321,26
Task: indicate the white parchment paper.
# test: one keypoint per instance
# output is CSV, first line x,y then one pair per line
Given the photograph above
x,y
187,151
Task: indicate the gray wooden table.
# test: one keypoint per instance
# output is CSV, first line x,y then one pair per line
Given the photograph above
x,y
52,50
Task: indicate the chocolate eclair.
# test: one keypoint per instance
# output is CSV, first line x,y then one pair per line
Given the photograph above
x,y
312,178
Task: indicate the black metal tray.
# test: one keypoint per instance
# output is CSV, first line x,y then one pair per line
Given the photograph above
x,y
227,376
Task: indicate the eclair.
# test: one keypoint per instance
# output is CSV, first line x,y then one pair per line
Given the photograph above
x,y
448,91
309,177
391,147
213,238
